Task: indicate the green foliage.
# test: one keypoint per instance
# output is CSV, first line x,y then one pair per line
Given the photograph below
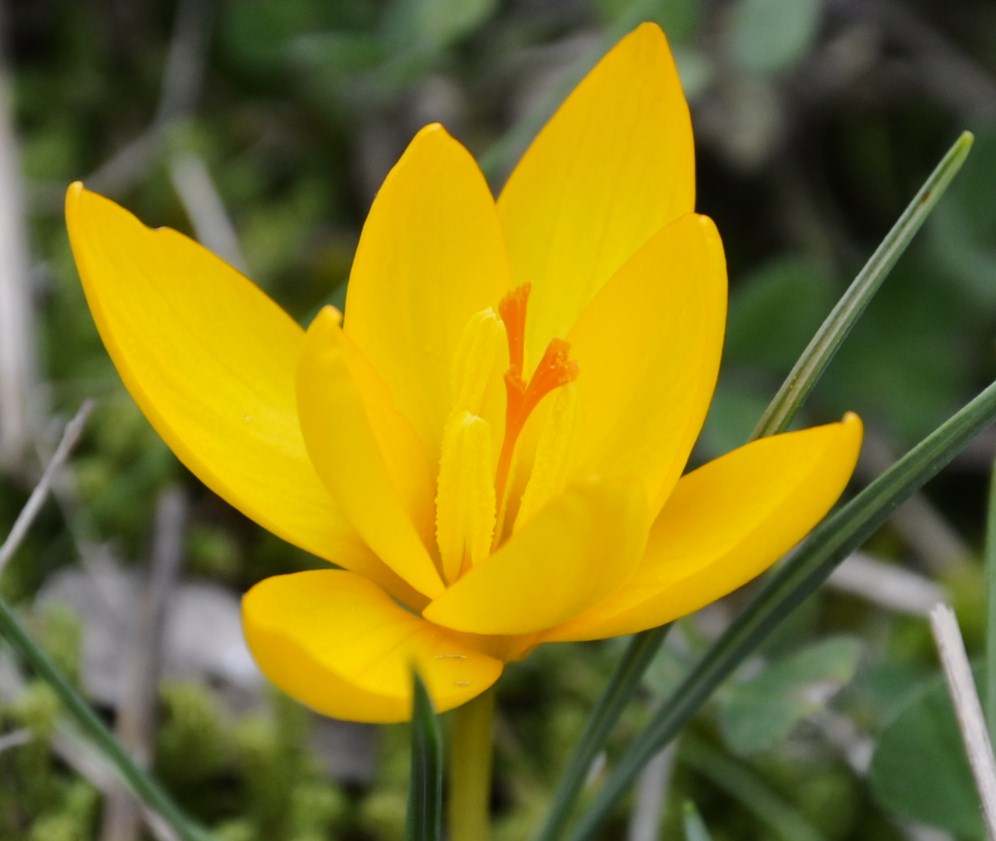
x,y
425,787
775,310
427,26
770,36
759,713
919,769
194,747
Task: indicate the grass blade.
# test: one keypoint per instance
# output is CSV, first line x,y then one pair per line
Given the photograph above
x,y
830,542
145,787
838,324
425,787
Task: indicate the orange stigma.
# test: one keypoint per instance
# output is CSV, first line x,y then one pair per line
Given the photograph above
x,y
555,369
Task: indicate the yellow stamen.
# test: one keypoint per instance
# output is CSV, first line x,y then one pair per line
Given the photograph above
x,y
474,359
465,497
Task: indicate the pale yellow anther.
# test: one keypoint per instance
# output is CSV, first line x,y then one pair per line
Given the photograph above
x,y
552,462
474,359
465,494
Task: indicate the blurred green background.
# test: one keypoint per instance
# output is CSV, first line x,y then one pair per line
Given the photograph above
x,y
264,129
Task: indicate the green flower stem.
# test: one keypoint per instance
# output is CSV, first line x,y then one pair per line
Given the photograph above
x,y
145,787
838,324
471,752
619,691
830,542
989,696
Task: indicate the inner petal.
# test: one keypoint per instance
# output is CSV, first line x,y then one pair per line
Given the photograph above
x,y
472,486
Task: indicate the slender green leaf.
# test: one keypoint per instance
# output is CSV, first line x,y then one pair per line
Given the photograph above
x,y
425,787
828,338
830,542
621,687
145,787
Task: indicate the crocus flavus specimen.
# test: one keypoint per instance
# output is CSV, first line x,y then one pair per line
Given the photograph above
x,y
491,443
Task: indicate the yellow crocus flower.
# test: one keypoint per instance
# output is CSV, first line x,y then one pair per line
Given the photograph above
x,y
491,444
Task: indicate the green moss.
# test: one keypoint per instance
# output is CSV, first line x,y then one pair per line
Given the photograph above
x,y
195,754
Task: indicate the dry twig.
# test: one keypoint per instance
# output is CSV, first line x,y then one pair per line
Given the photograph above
x,y
18,374
968,709
31,508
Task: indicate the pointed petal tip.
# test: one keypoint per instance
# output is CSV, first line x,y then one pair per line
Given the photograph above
x,y
852,428
74,190
76,193
649,37
433,133
650,31
327,317
434,128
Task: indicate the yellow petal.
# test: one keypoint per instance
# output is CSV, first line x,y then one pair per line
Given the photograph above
x,y
364,454
581,546
648,347
337,643
430,257
725,524
613,166
210,360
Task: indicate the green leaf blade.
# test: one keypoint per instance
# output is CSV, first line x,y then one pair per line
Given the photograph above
x,y
824,345
425,786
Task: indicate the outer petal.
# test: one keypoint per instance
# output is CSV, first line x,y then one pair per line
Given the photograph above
x,y
648,347
337,643
581,546
431,255
210,359
613,165
364,457
725,524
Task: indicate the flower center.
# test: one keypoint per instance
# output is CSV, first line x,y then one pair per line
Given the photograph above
x,y
555,369
470,498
